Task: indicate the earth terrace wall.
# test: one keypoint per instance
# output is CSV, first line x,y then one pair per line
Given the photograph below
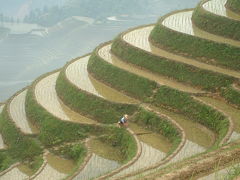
x,y
55,131
21,146
234,5
153,121
199,165
204,50
163,96
204,79
216,24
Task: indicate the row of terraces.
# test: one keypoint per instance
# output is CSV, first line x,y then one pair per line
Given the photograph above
x,y
178,80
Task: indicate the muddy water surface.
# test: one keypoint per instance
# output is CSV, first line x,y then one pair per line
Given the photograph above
x,y
227,109
61,165
75,117
110,93
155,140
105,150
195,132
25,169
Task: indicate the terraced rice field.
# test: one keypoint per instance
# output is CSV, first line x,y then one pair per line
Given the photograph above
x,y
104,52
154,150
18,114
96,167
181,22
218,7
143,34
148,153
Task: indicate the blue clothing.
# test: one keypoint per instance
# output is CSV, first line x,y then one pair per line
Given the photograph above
x,y
123,120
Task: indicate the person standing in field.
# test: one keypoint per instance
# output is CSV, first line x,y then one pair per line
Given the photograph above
x,y
123,121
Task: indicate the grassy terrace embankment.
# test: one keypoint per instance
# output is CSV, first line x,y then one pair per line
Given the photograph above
x,y
234,5
200,78
131,84
20,147
192,46
160,96
216,24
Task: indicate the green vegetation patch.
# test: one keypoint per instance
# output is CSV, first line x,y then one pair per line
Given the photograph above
x,y
196,111
52,130
231,95
75,152
216,24
194,76
191,46
5,160
133,85
89,104
20,147
121,139
234,5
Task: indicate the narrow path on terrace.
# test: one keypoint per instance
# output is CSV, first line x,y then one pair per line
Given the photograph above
x,y
18,113
182,22
96,166
104,52
78,75
218,7
229,111
46,96
142,35
149,154
2,146
185,123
